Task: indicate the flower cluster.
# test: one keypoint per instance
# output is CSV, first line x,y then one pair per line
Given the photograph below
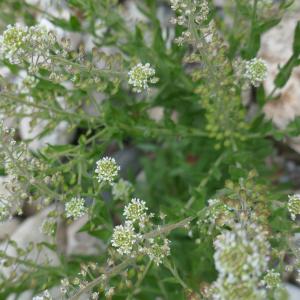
x,y
75,208
19,167
158,250
223,289
45,296
140,76
198,10
272,279
124,238
218,213
256,71
122,190
129,239
241,254
4,210
241,258
136,211
21,43
107,170
68,285
294,205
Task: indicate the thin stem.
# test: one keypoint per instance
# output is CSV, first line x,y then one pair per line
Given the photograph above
x,y
117,269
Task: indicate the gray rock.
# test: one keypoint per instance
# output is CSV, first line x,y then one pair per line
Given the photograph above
x,y
7,228
293,291
276,48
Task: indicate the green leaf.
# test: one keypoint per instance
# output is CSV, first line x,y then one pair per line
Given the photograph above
x,y
286,71
296,44
72,24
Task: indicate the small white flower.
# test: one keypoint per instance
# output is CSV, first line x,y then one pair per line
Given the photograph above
x,y
272,279
107,170
75,208
20,43
136,210
241,253
294,205
4,210
157,252
256,71
140,76
124,238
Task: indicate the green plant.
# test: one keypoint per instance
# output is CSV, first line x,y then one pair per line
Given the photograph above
x,y
219,228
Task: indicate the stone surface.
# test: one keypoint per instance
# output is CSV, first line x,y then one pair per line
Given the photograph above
x,y
293,291
7,228
61,135
29,231
276,48
81,242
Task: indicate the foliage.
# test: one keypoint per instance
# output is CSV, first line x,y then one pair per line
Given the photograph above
x,y
212,224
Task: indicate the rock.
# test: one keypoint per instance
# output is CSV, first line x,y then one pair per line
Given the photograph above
x,y
276,48
23,296
61,135
156,113
93,108
29,232
293,291
81,242
7,228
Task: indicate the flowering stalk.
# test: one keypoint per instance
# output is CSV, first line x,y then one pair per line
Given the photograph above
x,y
110,272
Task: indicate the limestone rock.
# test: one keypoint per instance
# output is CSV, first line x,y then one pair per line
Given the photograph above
x,y
81,242
7,228
276,48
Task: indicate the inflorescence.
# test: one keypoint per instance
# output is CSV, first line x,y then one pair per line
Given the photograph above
x,y
140,76
31,44
75,208
241,257
256,71
107,170
294,205
272,279
129,239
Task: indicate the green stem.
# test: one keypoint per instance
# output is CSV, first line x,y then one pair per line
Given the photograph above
x,y
117,269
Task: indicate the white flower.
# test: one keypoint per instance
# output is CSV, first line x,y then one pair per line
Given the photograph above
x,y
136,210
75,208
256,71
272,279
157,252
107,170
242,253
124,238
140,76
224,289
198,9
19,43
4,210
203,12
294,205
